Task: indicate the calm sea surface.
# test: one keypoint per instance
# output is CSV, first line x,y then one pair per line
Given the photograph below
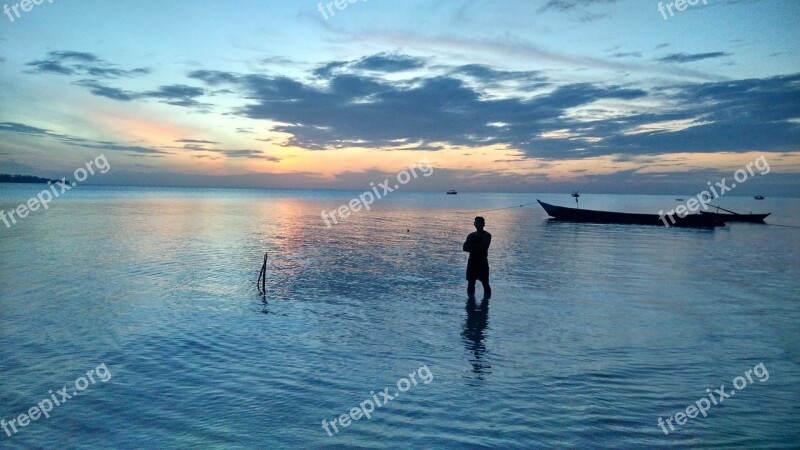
x,y
593,332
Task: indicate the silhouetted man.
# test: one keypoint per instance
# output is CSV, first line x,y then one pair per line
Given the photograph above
x,y
477,244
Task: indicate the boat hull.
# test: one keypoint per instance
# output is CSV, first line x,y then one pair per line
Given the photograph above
x,y
752,218
592,216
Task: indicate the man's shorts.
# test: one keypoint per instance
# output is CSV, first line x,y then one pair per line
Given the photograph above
x,y
478,270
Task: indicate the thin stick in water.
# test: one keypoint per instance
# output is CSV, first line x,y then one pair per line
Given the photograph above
x,y
263,276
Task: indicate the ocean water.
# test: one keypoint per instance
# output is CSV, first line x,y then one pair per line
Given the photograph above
x,y
592,334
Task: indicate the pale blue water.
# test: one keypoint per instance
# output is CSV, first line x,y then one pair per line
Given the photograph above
x,y
593,333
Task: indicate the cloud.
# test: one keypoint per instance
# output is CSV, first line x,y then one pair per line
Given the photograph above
x,y
200,146
371,112
106,91
681,58
81,63
627,55
252,154
570,5
19,128
385,62
360,110
381,62
370,102
735,116
192,145
510,47
13,127
176,95
489,77
70,63
195,141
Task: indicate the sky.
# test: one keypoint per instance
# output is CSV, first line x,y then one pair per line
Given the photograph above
x,y
605,96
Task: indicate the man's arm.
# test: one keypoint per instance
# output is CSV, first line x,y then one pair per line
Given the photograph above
x,y
468,244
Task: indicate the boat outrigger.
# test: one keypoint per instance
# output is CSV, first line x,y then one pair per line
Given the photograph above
x,y
592,216
734,216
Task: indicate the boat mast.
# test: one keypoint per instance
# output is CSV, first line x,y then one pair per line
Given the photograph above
x,y
576,194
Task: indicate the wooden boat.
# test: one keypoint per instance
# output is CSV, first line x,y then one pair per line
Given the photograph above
x,y
592,216
733,216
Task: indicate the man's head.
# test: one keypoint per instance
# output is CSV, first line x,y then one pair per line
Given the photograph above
x,y
480,222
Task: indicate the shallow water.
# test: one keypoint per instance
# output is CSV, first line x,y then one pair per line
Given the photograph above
x,y
593,333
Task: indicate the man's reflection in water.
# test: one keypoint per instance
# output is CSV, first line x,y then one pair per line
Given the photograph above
x,y
477,320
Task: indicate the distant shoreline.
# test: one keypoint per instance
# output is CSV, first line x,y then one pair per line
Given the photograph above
x,y
27,179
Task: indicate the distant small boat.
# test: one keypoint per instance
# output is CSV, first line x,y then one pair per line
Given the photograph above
x,y
452,192
591,216
759,197
678,199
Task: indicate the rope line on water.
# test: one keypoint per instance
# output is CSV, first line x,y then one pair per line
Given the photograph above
x,y
785,226
496,209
